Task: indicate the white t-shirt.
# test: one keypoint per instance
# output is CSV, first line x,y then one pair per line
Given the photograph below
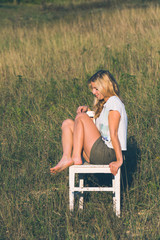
x,y
113,103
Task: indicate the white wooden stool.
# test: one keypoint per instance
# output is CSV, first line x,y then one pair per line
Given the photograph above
x,y
89,168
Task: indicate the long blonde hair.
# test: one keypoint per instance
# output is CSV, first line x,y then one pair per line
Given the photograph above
x,y
106,85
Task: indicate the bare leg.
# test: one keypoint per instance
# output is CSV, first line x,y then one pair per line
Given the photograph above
x,y
67,144
85,157
84,136
81,135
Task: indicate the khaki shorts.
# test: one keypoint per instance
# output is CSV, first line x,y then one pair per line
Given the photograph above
x,y
101,154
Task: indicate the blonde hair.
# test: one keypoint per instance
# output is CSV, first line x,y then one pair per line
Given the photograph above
x,y
106,85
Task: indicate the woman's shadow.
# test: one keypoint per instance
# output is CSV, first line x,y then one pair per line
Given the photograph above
x,y
129,167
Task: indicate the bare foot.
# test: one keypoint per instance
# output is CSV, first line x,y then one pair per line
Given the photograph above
x,y
63,164
77,161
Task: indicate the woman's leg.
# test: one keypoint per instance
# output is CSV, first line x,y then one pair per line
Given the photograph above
x,y
84,136
85,157
81,135
67,144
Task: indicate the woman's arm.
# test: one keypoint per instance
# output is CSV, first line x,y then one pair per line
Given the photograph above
x,y
114,119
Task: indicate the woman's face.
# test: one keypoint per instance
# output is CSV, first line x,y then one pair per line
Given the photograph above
x,y
96,92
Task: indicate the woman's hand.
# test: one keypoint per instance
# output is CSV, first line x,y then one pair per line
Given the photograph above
x,y
114,166
81,109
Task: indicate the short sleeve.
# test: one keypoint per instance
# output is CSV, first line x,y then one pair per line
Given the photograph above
x,y
114,104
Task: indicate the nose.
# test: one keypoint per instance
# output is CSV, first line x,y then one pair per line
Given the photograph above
x,y
94,91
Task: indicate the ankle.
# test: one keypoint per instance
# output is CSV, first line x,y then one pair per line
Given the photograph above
x,y
76,156
66,156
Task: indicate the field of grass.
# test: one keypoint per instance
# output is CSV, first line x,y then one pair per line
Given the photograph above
x,y
46,58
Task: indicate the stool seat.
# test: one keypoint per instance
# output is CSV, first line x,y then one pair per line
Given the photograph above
x,y
90,168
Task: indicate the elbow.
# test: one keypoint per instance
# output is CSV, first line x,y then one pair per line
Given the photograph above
x,y
114,139
114,136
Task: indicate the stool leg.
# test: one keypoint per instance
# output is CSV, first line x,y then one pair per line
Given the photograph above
x,y
117,193
71,188
81,185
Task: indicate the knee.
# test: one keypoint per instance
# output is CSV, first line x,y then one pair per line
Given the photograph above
x,y
81,116
67,123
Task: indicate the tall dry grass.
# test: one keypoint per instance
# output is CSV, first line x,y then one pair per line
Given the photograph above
x,y
44,70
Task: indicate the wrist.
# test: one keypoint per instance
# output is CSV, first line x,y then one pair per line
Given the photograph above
x,y
120,162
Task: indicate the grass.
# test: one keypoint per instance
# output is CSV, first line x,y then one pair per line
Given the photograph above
x,y
44,66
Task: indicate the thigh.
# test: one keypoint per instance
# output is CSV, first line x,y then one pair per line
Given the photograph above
x,y
91,133
85,157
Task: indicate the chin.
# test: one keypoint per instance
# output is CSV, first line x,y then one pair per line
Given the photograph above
x,y
101,98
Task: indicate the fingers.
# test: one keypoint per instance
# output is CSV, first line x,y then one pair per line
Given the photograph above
x,y
113,171
79,109
113,168
52,171
82,109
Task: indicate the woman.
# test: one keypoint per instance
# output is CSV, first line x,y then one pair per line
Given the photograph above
x,y
101,142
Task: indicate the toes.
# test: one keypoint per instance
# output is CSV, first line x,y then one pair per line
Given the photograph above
x,y
52,170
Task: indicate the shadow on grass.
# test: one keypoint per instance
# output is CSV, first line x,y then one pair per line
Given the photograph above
x,y
129,167
78,7
8,6
96,5
24,14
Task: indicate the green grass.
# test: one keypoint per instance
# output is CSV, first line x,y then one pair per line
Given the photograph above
x,y
45,62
